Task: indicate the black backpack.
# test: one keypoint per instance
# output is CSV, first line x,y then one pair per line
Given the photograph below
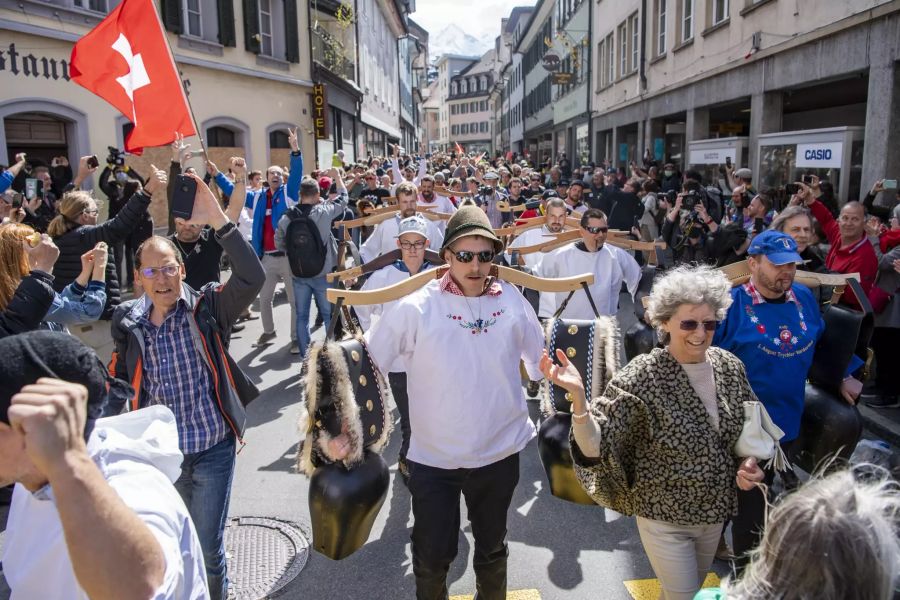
x,y
306,251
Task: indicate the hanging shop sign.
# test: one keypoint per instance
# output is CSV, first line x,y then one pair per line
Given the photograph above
x,y
560,78
320,111
551,62
819,156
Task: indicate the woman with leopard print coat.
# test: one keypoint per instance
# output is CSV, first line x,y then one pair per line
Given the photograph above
x,y
659,443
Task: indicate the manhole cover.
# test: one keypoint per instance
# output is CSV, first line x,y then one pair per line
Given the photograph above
x,y
264,555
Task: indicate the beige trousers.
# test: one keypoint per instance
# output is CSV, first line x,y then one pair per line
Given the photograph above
x,y
277,269
679,554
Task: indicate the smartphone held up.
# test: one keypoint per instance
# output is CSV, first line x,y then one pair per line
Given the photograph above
x,y
183,197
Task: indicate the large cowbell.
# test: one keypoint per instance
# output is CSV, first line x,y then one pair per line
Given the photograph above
x,y
593,347
830,427
343,392
640,338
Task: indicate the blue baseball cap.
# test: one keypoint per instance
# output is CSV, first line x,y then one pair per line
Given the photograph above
x,y
778,247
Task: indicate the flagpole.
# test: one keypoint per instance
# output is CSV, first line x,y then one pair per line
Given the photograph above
x,y
184,94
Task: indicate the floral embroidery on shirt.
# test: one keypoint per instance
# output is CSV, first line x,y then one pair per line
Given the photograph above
x,y
478,326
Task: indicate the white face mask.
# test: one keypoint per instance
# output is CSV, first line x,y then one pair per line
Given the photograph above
x,y
668,173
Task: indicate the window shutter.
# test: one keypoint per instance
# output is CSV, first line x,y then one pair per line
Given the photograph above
x,y
291,31
226,23
171,14
252,40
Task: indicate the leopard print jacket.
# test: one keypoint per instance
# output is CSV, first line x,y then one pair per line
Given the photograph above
x,y
660,456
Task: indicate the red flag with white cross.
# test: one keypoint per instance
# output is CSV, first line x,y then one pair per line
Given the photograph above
x,y
126,60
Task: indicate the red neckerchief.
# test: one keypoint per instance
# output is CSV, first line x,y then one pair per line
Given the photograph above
x,y
492,286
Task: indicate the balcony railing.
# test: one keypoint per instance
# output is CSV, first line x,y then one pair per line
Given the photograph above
x,y
331,53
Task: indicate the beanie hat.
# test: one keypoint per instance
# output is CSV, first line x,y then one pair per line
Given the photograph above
x,y
468,221
27,357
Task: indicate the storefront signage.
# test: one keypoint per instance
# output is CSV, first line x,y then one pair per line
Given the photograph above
x,y
320,111
819,156
712,156
29,65
659,148
560,78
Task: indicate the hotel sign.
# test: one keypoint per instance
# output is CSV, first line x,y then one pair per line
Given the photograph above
x,y
320,111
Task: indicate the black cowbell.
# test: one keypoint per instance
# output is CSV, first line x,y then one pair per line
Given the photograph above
x,y
829,427
343,504
639,339
556,456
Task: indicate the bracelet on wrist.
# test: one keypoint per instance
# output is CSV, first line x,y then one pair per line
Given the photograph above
x,y
580,416
240,180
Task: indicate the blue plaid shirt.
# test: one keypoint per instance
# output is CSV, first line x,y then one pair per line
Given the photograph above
x,y
176,376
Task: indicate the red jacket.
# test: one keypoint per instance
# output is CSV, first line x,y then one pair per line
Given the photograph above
x,y
858,258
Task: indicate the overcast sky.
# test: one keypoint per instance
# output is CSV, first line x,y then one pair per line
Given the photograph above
x,y
478,17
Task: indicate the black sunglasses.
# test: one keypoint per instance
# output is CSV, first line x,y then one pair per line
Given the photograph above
x,y
596,230
691,325
464,256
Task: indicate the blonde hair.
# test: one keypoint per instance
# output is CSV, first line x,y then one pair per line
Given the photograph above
x,y
71,207
13,259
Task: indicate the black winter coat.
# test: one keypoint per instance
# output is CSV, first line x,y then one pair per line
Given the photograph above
x,y
28,306
76,242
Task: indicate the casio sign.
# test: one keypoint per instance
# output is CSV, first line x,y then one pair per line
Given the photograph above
x,y
817,154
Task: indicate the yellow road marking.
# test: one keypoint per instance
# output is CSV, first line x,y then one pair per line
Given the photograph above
x,y
511,595
649,589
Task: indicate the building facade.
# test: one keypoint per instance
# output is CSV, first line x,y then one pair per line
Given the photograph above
x,y
448,66
227,71
514,91
780,87
471,112
537,110
571,43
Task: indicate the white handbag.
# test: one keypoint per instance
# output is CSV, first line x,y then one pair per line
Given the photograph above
x,y
759,437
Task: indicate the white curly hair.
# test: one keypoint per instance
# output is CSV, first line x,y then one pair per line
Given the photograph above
x,y
688,285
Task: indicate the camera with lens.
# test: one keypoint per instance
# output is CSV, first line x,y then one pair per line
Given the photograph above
x,y
690,199
116,157
485,190
671,196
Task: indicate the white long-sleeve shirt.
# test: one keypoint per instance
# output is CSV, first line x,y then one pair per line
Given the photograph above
x,y
530,238
398,175
138,454
384,238
466,406
610,265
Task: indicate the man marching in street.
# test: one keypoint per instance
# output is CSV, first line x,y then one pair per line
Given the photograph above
x,y
468,416
610,265
170,344
412,241
384,238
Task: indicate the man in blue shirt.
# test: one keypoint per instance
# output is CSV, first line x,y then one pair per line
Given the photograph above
x,y
773,326
268,205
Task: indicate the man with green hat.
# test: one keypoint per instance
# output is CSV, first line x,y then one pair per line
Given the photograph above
x,y
461,337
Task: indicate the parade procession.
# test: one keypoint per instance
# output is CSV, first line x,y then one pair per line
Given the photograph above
x,y
383,299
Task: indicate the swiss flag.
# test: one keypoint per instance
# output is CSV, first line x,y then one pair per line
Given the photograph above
x,y
126,60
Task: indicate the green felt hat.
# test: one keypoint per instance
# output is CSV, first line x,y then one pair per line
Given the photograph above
x,y
467,221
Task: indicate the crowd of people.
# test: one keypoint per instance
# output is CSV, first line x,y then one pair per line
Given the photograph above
x,y
122,407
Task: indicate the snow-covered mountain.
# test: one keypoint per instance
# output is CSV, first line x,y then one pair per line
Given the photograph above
x,y
453,40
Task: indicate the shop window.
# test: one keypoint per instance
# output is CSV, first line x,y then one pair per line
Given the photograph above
x,y
221,137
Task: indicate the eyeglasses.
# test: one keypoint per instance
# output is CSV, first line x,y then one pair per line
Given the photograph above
x,y
410,245
464,256
596,230
93,212
691,325
168,271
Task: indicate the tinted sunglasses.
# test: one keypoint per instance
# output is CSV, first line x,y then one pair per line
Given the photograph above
x,y
596,230
464,256
168,271
410,245
691,325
